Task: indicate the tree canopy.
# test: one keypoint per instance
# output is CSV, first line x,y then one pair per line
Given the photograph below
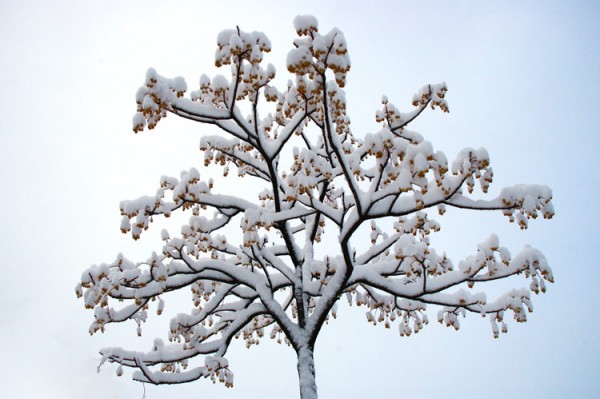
x,y
280,275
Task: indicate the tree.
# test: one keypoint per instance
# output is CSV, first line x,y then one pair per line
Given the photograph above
x,y
311,172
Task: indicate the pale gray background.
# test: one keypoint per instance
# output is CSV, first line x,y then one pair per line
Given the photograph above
x,y
523,82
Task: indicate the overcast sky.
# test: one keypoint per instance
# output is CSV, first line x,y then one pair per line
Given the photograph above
x,y
523,82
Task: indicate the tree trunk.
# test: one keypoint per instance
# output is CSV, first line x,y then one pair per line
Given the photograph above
x,y
306,373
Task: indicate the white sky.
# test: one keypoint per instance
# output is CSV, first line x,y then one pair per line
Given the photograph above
x,y
523,82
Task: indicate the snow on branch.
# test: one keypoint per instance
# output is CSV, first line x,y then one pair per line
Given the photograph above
x,y
320,189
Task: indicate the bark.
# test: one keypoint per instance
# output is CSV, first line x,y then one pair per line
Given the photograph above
x,y
306,373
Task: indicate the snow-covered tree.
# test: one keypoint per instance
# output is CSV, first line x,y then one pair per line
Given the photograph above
x,y
281,275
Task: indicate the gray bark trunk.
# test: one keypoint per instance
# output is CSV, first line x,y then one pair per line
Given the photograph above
x,y
306,373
